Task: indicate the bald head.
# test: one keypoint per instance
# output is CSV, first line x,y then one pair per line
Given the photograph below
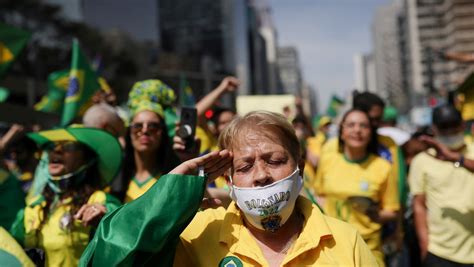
x,y
104,116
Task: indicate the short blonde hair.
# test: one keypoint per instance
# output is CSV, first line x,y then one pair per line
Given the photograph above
x,y
268,124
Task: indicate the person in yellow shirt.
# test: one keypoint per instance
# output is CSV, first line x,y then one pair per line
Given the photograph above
x,y
148,147
355,185
267,224
315,143
442,183
60,219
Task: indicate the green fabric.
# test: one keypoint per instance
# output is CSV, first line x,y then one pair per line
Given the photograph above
x,y
170,119
4,93
7,259
17,230
146,230
53,101
357,161
402,176
40,177
12,41
335,105
83,83
106,146
389,114
111,203
12,199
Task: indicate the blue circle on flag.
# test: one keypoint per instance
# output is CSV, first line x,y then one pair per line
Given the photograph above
x,y
73,87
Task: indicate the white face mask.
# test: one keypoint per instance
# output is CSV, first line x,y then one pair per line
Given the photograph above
x,y
452,141
269,207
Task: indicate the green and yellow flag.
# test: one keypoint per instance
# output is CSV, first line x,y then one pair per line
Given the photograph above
x,y
12,41
53,101
334,106
186,96
82,86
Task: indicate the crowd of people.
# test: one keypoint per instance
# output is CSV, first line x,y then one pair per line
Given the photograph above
x,y
262,189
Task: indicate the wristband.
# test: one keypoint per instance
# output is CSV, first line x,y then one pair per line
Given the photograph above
x,y
460,162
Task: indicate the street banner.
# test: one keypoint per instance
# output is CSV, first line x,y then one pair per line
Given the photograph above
x,y
283,104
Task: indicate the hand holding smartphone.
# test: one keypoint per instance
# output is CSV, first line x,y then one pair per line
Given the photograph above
x,y
187,129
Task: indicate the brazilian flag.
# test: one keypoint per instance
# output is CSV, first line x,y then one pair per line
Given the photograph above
x,y
334,106
58,84
186,96
83,83
12,41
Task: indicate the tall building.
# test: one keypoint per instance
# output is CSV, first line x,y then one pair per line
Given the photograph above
x,y
436,26
388,38
212,35
130,16
364,73
266,35
290,71
310,100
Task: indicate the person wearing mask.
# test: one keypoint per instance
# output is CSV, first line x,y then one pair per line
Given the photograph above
x,y
442,183
60,220
267,224
148,146
354,185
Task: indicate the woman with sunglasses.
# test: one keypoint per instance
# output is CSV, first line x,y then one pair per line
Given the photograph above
x,y
148,149
59,221
355,184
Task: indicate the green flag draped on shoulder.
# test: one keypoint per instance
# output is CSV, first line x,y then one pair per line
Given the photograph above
x,y
12,41
145,232
334,106
82,86
53,101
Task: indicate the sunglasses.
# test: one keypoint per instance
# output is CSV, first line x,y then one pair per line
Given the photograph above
x,y
65,146
152,127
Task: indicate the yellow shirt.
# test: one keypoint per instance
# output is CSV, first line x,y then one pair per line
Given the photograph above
x,y
338,179
216,237
388,151
449,193
208,141
63,245
314,144
136,188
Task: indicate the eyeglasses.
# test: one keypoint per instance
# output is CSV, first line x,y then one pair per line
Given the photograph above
x,y
65,146
152,127
352,125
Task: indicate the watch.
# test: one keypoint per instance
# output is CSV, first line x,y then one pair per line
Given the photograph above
x,y
459,162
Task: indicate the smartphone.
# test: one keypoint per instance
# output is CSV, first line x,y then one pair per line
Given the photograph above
x,y
187,129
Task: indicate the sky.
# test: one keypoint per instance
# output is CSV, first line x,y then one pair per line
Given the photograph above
x,y
327,34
